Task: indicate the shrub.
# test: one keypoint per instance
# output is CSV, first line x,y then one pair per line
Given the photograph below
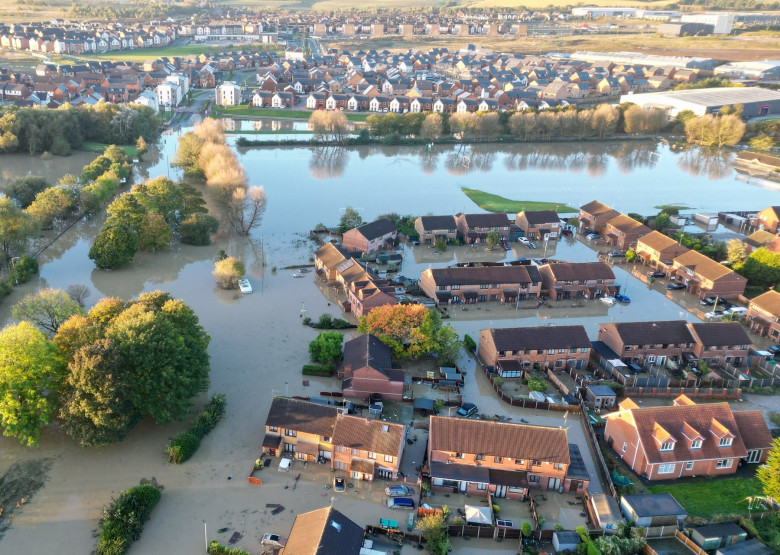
x,y
536,384
469,343
526,529
630,255
317,370
25,268
6,286
197,229
227,272
216,548
182,447
123,520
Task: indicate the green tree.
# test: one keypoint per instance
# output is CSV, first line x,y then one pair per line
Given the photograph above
x,y
762,267
493,237
735,251
31,374
662,221
349,219
115,154
188,155
431,127
434,529
228,271
115,245
762,143
326,348
52,203
161,196
197,229
16,227
141,146
25,189
48,309
410,330
155,234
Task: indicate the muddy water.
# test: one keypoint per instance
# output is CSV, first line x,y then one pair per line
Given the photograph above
x,y
14,166
259,345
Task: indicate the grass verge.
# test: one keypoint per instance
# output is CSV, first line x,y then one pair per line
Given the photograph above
x,y
496,203
706,498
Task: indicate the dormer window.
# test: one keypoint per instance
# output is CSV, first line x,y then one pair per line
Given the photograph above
x,y
696,444
724,442
667,446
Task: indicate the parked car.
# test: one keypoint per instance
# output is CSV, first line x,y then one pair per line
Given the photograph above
x,y
715,315
709,301
531,245
402,503
606,299
617,254
635,368
339,484
655,274
467,409
398,491
674,286
592,236
524,240
774,349
507,246
567,233
738,310
619,297
274,540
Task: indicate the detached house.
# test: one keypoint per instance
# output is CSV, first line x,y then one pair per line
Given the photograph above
x,y
705,277
769,219
658,251
367,368
370,238
595,215
511,352
588,280
433,228
474,228
764,315
536,224
686,439
324,532
623,232
472,284
477,456
651,342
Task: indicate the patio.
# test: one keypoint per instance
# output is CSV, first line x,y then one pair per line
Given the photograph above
x,y
566,509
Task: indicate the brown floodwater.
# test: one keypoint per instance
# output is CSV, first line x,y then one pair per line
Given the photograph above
x,y
258,343
14,166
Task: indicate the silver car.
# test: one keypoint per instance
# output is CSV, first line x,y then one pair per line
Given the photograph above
x,y
398,491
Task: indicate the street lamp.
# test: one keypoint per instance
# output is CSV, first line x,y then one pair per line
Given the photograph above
x,y
206,536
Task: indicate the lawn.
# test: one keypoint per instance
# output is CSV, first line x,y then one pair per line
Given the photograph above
x,y
249,111
706,497
495,203
100,148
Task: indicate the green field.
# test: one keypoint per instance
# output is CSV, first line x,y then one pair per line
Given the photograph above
x,y
250,112
707,497
495,203
100,148
143,54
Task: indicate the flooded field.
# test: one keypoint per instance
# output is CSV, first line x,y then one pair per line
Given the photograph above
x,y
259,345
14,166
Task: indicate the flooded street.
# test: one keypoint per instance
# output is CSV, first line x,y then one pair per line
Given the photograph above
x,y
258,343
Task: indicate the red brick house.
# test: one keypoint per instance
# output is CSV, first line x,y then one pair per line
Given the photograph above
x,y
367,368
535,224
658,251
764,315
595,215
473,284
368,448
623,232
769,219
717,342
370,238
705,277
514,351
433,228
324,531
588,280
369,292
686,439
474,228
652,342
476,456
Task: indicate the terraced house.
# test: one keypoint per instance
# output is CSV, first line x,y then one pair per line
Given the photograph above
x,y
686,439
764,315
476,456
474,228
623,232
306,431
473,284
706,278
536,224
648,342
658,251
569,280
514,351
595,215
435,228
370,238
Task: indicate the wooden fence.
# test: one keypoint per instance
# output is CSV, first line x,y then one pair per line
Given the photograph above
x,y
692,392
557,383
660,531
601,464
423,512
528,403
488,532
686,541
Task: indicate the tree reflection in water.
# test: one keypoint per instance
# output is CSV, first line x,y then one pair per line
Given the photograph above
x,y
327,162
712,162
630,157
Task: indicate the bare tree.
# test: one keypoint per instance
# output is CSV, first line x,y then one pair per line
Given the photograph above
x,y
245,209
79,293
605,120
431,126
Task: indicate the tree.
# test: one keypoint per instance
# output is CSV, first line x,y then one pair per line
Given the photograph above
x,y
434,529
79,293
155,233
493,237
431,126
48,309
464,124
762,143
16,227
96,407
24,190
115,245
762,267
769,473
52,203
188,155
605,119
115,154
197,229
735,251
709,130
141,146
326,348
227,272
350,219
662,221
31,374
245,209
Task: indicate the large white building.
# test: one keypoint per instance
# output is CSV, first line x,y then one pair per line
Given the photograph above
x,y
228,94
640,58
172,91
755,101
764,70
722,22
148,98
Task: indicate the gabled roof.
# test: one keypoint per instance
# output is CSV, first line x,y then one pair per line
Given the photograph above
x,y
540,337
366,350
753,429
660,332
330,255
660,242
596,208
479,275
536,217
769,301
721,333
377,228
324,532
485,220
375,436
705,267
437,222
502,439
576,271
627,224
302,416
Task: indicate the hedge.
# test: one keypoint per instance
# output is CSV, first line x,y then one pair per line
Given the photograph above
x,y
184,444
317,370
123,520
216,548
469,343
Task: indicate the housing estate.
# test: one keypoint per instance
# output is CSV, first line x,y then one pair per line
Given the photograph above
x,y
367,368
474,228
568,280
308,431
370,238
686,439
476,456
325,531
512,352
536,224
717,342
704,277
473,284
764,315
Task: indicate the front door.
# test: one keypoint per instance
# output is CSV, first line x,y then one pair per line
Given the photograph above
x,y
463,485
500,491
754,456
660,361
553,483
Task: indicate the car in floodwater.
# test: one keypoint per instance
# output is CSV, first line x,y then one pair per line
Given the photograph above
x,y
606,299
675,286
619,297
467,409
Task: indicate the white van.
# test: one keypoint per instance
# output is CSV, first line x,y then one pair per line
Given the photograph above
x,y
738,310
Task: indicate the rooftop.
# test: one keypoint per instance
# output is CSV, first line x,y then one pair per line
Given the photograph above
x,y
540,337
654,504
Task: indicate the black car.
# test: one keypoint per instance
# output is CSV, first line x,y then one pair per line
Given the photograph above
x,y
467,409
655,274
675,286
709,301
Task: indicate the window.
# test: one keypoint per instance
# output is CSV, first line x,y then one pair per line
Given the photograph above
x,y
355,451
599,281
338,465
389,458
455,287
567,282
667,446
273,429
537,463
533,479
550,351
324,439
339,448
651,358
665,468
484,286
689,465
479,457
558,363
481,487
371,455
696,444
558,466
519,461
291,433
498,459
442,287
561,351
584,350
625,445
724,442
724,463
459,456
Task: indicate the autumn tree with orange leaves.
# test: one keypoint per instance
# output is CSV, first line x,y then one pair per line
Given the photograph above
x,y
412,331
